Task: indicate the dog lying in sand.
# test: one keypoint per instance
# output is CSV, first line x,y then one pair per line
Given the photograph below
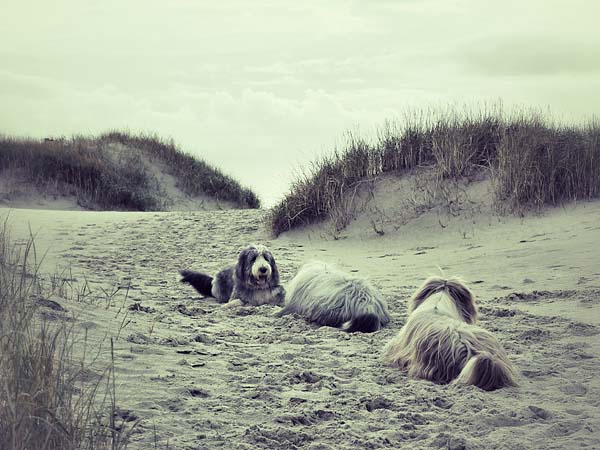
x,y
253,280
441,343
326,295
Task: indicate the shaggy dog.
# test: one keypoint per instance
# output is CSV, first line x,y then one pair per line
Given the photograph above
x,y
254,280
441,343
327,296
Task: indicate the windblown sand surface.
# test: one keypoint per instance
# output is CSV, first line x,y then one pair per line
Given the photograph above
x,y
200,376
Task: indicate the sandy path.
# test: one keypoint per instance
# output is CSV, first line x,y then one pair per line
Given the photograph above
x,y
205,377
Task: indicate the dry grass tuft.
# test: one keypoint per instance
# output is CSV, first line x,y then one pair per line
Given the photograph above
x,y
541,164
44,401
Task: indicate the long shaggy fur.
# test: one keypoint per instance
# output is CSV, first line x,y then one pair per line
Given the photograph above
x,y
326,295
441,343
253,280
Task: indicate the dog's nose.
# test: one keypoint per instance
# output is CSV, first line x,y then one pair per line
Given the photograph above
x,y
262,269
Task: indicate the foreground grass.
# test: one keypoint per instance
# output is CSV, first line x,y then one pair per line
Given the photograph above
x,y
110,171
45,401
532,161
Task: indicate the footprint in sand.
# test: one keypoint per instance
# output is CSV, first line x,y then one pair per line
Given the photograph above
x,y
577,389
563,428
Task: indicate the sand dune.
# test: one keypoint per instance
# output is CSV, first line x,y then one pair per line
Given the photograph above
x,y
18,191
200,376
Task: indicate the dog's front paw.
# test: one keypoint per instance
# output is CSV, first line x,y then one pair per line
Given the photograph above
x,y
233,303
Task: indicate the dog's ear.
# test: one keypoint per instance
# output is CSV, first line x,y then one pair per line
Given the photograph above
x,y
274,271
465,301
240,268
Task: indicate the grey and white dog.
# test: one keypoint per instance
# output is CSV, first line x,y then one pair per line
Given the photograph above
x,y
441,342
253,280
329,296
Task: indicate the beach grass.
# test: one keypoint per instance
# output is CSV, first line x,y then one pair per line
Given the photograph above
x,y
51,395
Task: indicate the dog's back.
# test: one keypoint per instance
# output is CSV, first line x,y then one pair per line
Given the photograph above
x,y
433,348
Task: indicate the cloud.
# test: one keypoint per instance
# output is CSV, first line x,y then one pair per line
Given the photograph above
x,y
527,55
25,86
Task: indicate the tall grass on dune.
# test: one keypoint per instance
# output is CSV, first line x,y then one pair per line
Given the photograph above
x,y
102,175
532,160
540,164
317,192
44,402
194,176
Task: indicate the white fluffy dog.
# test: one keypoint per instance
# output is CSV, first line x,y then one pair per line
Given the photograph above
x,y
441,343
326,295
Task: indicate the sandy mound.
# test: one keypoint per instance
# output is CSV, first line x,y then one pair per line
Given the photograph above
x,y
391,204
200,376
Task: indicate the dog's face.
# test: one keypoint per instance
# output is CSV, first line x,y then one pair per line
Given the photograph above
x,y
256,267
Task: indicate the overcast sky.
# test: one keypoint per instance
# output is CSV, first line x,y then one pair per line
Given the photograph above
x,y
259,87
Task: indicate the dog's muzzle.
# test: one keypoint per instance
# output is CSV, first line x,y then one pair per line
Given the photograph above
x,y
262,274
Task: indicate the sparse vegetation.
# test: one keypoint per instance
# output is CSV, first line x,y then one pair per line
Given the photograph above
x,y
109,171
532,162
50,396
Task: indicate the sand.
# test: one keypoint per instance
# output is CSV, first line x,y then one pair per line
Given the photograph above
x,y
199,376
